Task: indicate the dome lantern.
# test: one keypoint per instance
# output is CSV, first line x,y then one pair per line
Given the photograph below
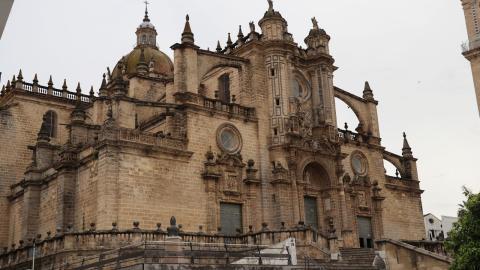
x,y
146,33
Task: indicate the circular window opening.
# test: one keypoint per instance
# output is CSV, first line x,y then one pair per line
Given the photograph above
x,y
359,164
430,220
229,139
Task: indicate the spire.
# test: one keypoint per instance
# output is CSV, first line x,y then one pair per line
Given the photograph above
x,y
79,89
315,23
240,33
92,93
3,91
20,76
219,47
8,85
406,150
104,81
35,79
103,88
240,36
187,35
229,41
50,82
146,19
14,81
367,92
64,86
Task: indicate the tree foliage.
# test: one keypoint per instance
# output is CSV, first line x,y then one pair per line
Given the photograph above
x,y
464,239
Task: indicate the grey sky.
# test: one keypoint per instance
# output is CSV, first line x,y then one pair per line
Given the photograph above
x,y
409,51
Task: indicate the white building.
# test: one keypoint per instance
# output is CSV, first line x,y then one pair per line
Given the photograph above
x,y
438,229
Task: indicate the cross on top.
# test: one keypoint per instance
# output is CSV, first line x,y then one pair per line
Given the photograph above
x,y
146,5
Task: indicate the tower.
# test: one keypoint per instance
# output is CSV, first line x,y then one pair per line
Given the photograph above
x,y
471,49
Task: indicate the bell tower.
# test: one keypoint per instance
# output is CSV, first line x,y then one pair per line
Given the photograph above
x,y
471,48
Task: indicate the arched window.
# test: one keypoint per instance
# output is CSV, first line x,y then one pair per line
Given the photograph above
x,y
144,39
50,120
224,88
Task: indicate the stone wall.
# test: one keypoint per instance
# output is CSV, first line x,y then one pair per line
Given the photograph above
x,y
20,123
398,256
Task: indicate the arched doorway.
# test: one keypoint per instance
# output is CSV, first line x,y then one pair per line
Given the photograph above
x,y
316,200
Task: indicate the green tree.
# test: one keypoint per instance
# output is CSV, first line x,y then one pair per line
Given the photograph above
x,y
464,239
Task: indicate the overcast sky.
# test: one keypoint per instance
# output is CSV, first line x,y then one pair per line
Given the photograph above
x,y
409,50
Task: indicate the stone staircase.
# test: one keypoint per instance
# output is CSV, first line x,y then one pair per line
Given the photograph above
x,y
351,258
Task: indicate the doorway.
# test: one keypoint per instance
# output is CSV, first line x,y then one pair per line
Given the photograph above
x,y
230,218
365,234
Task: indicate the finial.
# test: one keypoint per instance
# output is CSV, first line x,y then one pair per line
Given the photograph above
x,y
50,82
20,76
229,40
104,81
13,81
92,93
79,89
240,33
367,92
346,126
406,149
187,35
315,23
8,85
64,86
35,79
270,5
146,19
219,47
3,91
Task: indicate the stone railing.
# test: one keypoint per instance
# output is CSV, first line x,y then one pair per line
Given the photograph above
x,y
437,247
135,136
347,135
401,183
50,91
71,247
230,108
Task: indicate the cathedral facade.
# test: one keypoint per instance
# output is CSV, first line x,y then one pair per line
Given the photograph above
x,y
239,139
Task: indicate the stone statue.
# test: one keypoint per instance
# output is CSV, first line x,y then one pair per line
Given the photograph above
x,y
315,23
270,5
173,229
252,27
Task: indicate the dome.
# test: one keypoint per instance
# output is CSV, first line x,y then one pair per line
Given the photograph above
x,y
162,65
146,24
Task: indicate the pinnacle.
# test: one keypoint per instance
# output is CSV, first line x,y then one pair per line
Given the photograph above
x,y
64,86
219,47
229,40
240,33
79,89
50,81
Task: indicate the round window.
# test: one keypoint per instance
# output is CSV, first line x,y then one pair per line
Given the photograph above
x,y
229,139
359,164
